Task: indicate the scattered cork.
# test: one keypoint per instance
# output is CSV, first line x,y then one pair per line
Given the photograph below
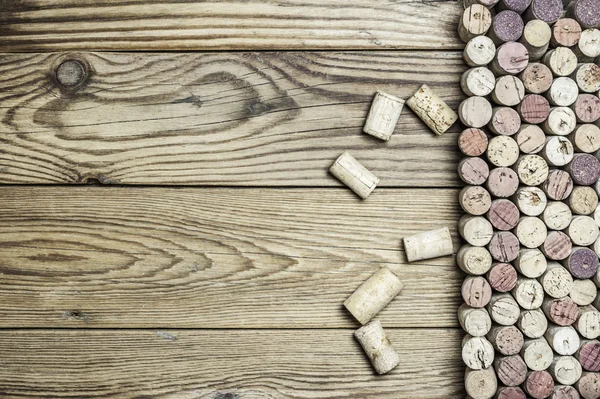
x,y
432,110
383,115
350,172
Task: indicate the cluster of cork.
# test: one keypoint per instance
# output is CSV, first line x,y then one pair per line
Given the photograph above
x,y
532,225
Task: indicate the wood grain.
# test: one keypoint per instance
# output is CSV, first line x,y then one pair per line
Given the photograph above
x,y
216,257
249,119
32,25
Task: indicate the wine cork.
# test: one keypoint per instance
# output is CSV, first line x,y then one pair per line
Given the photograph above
x,y
589,355
507,340
561,311
564,340
350,172
559,185
476,230
583,200
589,385
479,51
558,151
511,58
539,384
536,78
530,139
505,121
534,109
476,291
473,170
503,214
531,201
537,354
528,293
557,215
532,170
583,231
509,91
557,245
565,32
474,321
547,10
481,384
518,6
432,110
533,323
589,43
478,81
511,370
596,280
586,138
531,232
585,12
562,61
383,115
507,26
373,295
503,309
472,142
536,38
584,169
563,92
475,200
475,112
565,370
586,108
476,20
485,3
474,260
583,292
561,121
587,77
504,246
510,393
565,392
502,277
502,182
477,352
588,322
531,263
428,245
582,263
503,151
377,346
556,281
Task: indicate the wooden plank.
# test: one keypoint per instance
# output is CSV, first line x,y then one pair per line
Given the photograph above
x,y
224,364
216,257
48,25
251,119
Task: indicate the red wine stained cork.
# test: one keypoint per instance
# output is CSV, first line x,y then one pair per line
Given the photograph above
x,y
502,277
502,182
473,170
479,51
534,109
505,121
475,20
589,385
474,260
539,384
475,321
532,170
503,214
502,151
583,230
565,392
547,10
562,61
475,112
477,352
585,12
584,169
536,38
476,291
565,370
507,340
558,151
533,324
472,142
531,201
557,245
589,355
587,77
583,293
564,340
582,263
557,215
480,384
504,246
536,77
518,6
556,281
511,370
586,108
531,232
558,185
475,200
588,321
565,32
561,121
507,26
510,393
561,311
528,293
531,139
478,81
583,200
485,3
589,44
511,58
563,92
586,138
531,263
503,309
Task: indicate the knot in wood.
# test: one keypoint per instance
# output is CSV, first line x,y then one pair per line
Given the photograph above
x,y
71,73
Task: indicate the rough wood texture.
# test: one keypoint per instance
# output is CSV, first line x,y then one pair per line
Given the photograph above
x,y
266,119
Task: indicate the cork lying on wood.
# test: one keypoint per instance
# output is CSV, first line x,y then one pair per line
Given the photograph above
x,y
350,172
428,245
432,110
383,115
378,347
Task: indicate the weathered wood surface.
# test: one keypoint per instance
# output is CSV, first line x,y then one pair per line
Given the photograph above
x,y
216,257
251,119
51,25
224,364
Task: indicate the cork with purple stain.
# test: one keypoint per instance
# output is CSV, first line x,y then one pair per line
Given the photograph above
x,y
507,26
518,6
547,10
586,12
582,263
584,169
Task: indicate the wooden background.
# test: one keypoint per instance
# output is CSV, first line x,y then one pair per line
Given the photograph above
x,y
169,229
